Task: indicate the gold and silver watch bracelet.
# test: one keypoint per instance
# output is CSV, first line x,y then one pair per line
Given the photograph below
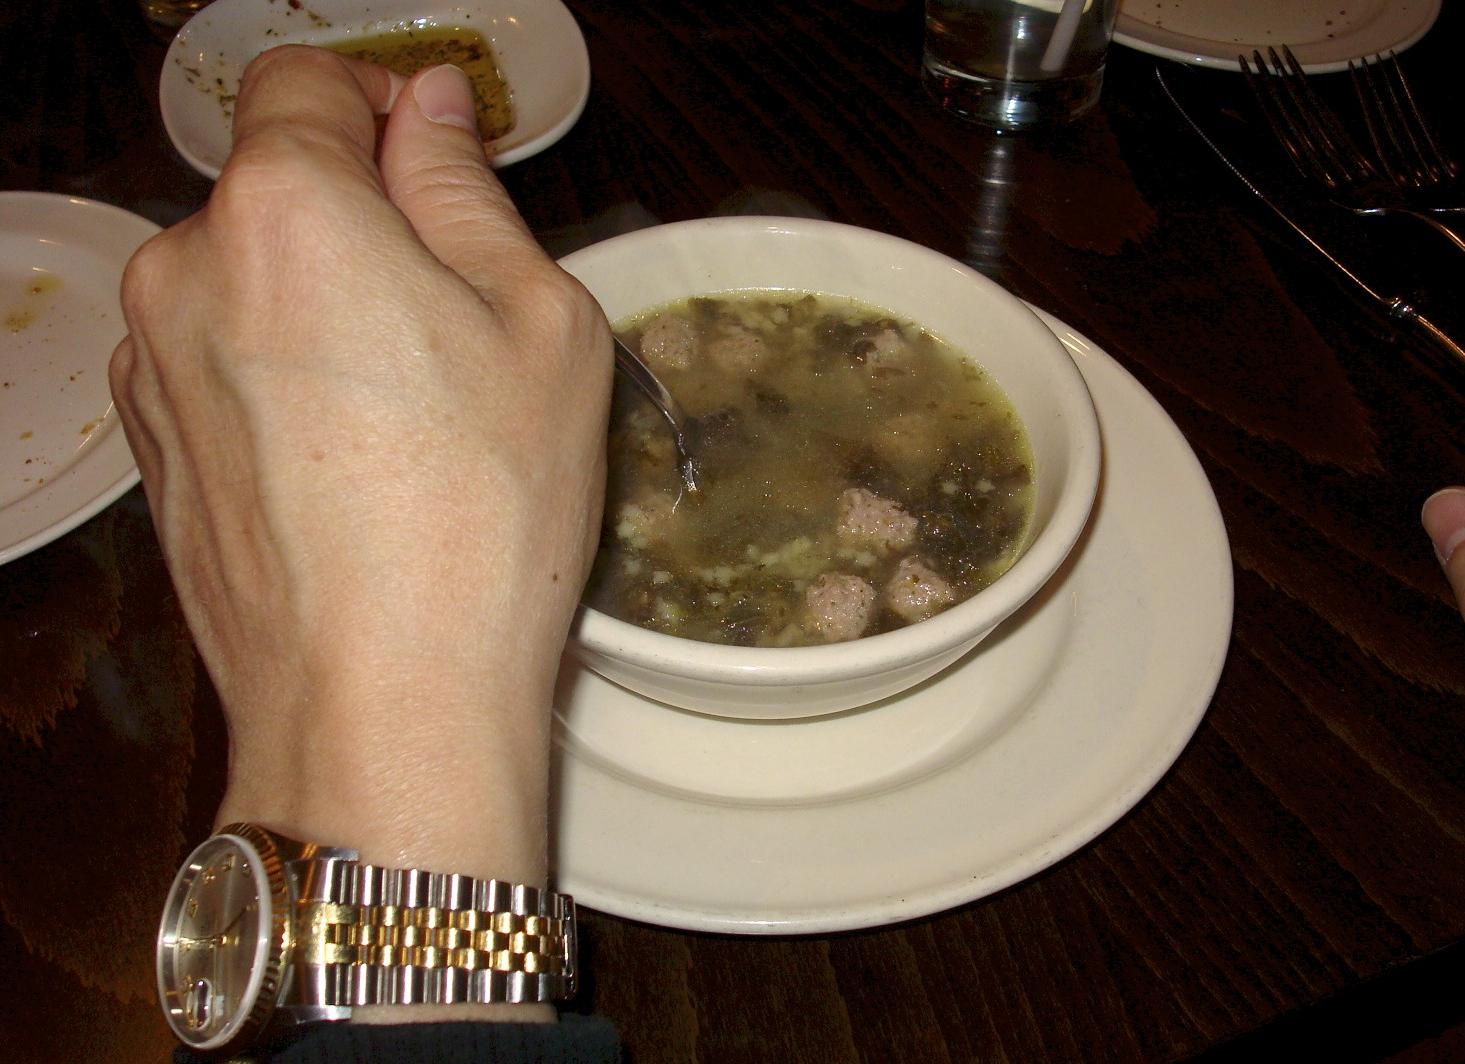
x,y
367,935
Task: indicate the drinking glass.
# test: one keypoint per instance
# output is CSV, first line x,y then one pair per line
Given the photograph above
x,y
1014,64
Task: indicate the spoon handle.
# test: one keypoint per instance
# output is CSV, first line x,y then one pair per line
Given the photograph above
x,y
629,363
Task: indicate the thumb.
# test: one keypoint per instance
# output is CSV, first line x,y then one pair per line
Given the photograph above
x,y
435,172
1444,519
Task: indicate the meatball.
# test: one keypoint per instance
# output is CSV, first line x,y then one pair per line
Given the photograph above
x,y
738,350
869,520
910,441
887,350
916,591
669,342
840,606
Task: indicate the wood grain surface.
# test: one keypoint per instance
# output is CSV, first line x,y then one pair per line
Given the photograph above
x,y
1295,884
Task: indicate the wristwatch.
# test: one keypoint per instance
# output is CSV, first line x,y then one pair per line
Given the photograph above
x,y
262,933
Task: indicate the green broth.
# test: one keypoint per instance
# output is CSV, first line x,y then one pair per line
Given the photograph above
x,y
811,411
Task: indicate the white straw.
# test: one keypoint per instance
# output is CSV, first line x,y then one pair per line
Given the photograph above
x,y
1055,57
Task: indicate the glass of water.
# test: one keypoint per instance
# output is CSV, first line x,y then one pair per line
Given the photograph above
x,y
1014,64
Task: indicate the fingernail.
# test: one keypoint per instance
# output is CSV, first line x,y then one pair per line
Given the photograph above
x,y
395,84
1443,518
445,96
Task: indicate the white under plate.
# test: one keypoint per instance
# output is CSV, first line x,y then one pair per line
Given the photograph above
x,y
1323,34
1007,762
540,50
63,457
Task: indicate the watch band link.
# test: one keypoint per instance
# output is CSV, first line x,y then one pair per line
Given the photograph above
x,y
390,936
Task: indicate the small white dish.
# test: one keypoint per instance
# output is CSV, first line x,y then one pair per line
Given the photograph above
x,y
540,50
996,769
1323,34
63,456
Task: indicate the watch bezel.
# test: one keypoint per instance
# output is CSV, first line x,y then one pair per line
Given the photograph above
x,y
262,992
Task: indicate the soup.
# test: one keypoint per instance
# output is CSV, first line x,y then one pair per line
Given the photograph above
x,y
857,475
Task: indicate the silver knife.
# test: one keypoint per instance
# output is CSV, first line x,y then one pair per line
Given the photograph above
x,y
1396,308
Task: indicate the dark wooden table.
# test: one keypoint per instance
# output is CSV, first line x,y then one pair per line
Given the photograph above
x,y
1296,882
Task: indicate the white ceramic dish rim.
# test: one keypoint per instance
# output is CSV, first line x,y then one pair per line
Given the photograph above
x,y
1315,57
105,470
558,88
873,654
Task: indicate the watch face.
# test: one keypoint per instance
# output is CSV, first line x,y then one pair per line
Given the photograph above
x,y
214,942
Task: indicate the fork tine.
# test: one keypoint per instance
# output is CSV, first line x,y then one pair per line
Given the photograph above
x,y
1279,118
1299,118
1340,147
1401,135
1370,104
1412,157
1381,116
1437,165
1293,121
1319,146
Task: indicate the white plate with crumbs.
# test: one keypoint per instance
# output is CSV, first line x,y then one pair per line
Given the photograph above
x,y
63,457
1323,34
1012,759
537,46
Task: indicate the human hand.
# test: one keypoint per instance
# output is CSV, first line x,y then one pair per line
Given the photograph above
x,y
1444,519
370,415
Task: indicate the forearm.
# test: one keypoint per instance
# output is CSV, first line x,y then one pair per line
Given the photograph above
x,y
409,715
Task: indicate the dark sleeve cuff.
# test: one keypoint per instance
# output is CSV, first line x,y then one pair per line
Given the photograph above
x,y
573,1040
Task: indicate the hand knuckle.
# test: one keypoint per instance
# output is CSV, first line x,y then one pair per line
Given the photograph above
x,y
271,200
557,303
287,56
270,169
119,372
145,274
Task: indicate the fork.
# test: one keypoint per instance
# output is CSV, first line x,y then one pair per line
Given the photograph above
x,y
1407,162
1402,138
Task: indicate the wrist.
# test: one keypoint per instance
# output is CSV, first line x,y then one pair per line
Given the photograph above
x,y
432,780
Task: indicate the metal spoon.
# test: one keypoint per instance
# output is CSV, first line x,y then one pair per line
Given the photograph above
x,y
629,363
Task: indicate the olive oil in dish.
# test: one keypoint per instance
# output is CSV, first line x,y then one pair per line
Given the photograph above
x,y
408,49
